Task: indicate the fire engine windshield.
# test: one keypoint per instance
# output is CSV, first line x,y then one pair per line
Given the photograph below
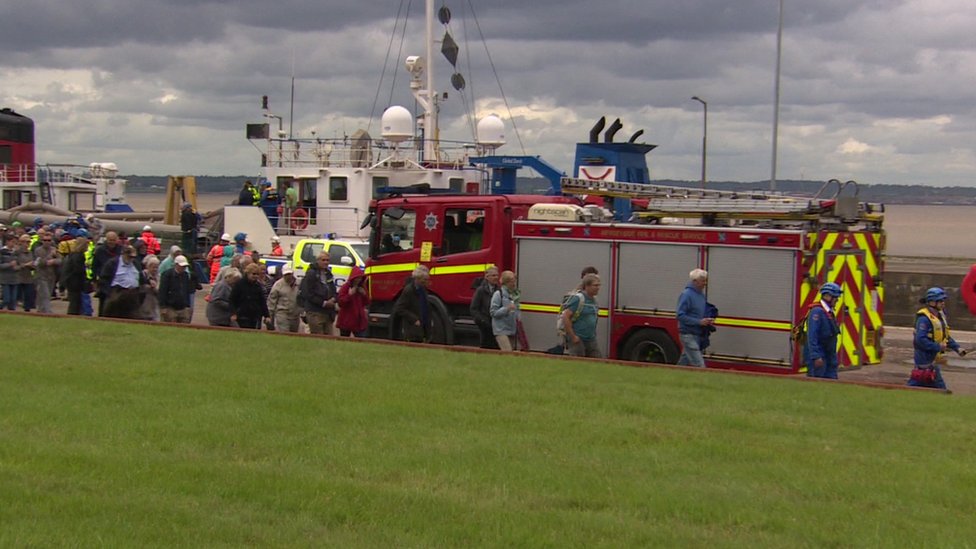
x,y
396,235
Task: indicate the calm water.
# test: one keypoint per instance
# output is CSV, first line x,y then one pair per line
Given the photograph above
x,y
923,231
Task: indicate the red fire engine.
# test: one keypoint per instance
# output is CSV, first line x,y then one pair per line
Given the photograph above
x,y
766,255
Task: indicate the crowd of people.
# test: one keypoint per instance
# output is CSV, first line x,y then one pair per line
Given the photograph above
x,y
129,279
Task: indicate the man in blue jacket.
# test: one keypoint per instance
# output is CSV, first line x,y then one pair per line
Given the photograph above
x,y
931,341
820,352
692,317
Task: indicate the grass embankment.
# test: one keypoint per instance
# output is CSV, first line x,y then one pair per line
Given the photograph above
x,y
118,435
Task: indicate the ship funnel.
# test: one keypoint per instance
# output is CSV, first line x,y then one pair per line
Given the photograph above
x,y
597,128
612,130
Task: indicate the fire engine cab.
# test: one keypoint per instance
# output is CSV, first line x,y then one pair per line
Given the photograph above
x,y
766,255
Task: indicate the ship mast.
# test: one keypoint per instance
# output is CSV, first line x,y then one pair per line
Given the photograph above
x,y
430,109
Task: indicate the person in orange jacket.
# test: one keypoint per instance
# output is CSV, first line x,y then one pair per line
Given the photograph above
x,y
276,250
215,254
153,245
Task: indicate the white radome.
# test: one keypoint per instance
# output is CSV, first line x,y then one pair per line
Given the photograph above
x,y
397,124
491,131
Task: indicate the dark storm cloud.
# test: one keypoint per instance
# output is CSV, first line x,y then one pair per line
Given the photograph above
x,y
860,78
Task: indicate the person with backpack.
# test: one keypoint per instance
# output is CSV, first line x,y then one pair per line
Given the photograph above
x,y
931,341
504,309
692,317
481,305
579,314
822,329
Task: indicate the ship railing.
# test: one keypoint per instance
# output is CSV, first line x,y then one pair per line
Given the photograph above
x,y
17,173
352,153
327,219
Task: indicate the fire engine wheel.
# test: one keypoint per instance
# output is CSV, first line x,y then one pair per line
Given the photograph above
x,y
443,330
650,345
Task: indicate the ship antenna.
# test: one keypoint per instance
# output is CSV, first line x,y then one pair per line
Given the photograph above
x,y
291,115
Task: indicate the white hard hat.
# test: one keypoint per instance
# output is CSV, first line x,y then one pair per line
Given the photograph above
x,y
275,238
147,228
225,236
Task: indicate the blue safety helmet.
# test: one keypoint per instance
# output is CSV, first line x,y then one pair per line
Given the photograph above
x,y
38,221
831,289
81,232
240,237
934,294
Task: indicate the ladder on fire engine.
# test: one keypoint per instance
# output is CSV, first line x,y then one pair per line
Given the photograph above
x,y
710,204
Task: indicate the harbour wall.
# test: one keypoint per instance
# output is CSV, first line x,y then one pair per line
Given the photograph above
x,y
905,285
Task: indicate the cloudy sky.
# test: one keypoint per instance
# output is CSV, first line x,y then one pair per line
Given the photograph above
x,y
880,91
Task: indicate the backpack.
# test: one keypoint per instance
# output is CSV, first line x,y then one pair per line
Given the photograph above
x,y
799,332
560,321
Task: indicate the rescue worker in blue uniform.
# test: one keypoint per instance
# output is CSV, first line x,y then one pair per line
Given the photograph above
x,y
931,341
270,203
820,352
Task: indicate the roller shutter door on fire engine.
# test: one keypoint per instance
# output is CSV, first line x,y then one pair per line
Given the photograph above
x,y
754,291
652,275
547,269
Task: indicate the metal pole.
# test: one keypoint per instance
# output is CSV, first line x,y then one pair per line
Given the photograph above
x,y
779,56
704,162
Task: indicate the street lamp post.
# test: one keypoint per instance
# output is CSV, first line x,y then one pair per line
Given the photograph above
x,y
704,138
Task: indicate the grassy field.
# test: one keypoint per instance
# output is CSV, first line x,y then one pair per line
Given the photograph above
x,y
119,435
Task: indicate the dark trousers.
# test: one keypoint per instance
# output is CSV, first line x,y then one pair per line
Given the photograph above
x,y
74,302
121,303
488,340
249,323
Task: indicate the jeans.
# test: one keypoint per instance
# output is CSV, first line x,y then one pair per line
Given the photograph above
x,y
586,347
10,296
27,294
690,352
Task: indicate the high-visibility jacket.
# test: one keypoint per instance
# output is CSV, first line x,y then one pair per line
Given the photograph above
x,y
931,332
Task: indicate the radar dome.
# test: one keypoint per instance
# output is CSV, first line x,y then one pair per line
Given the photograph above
x,y
397,124
491,131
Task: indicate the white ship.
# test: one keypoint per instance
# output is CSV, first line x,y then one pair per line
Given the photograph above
x,y
337,178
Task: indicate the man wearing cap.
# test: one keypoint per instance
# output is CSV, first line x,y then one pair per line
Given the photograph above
x,y
174,292
121,279
820,352
931,341
283,301
152,243
188,229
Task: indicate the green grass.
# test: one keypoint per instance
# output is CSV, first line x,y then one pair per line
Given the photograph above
x,y
118,435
